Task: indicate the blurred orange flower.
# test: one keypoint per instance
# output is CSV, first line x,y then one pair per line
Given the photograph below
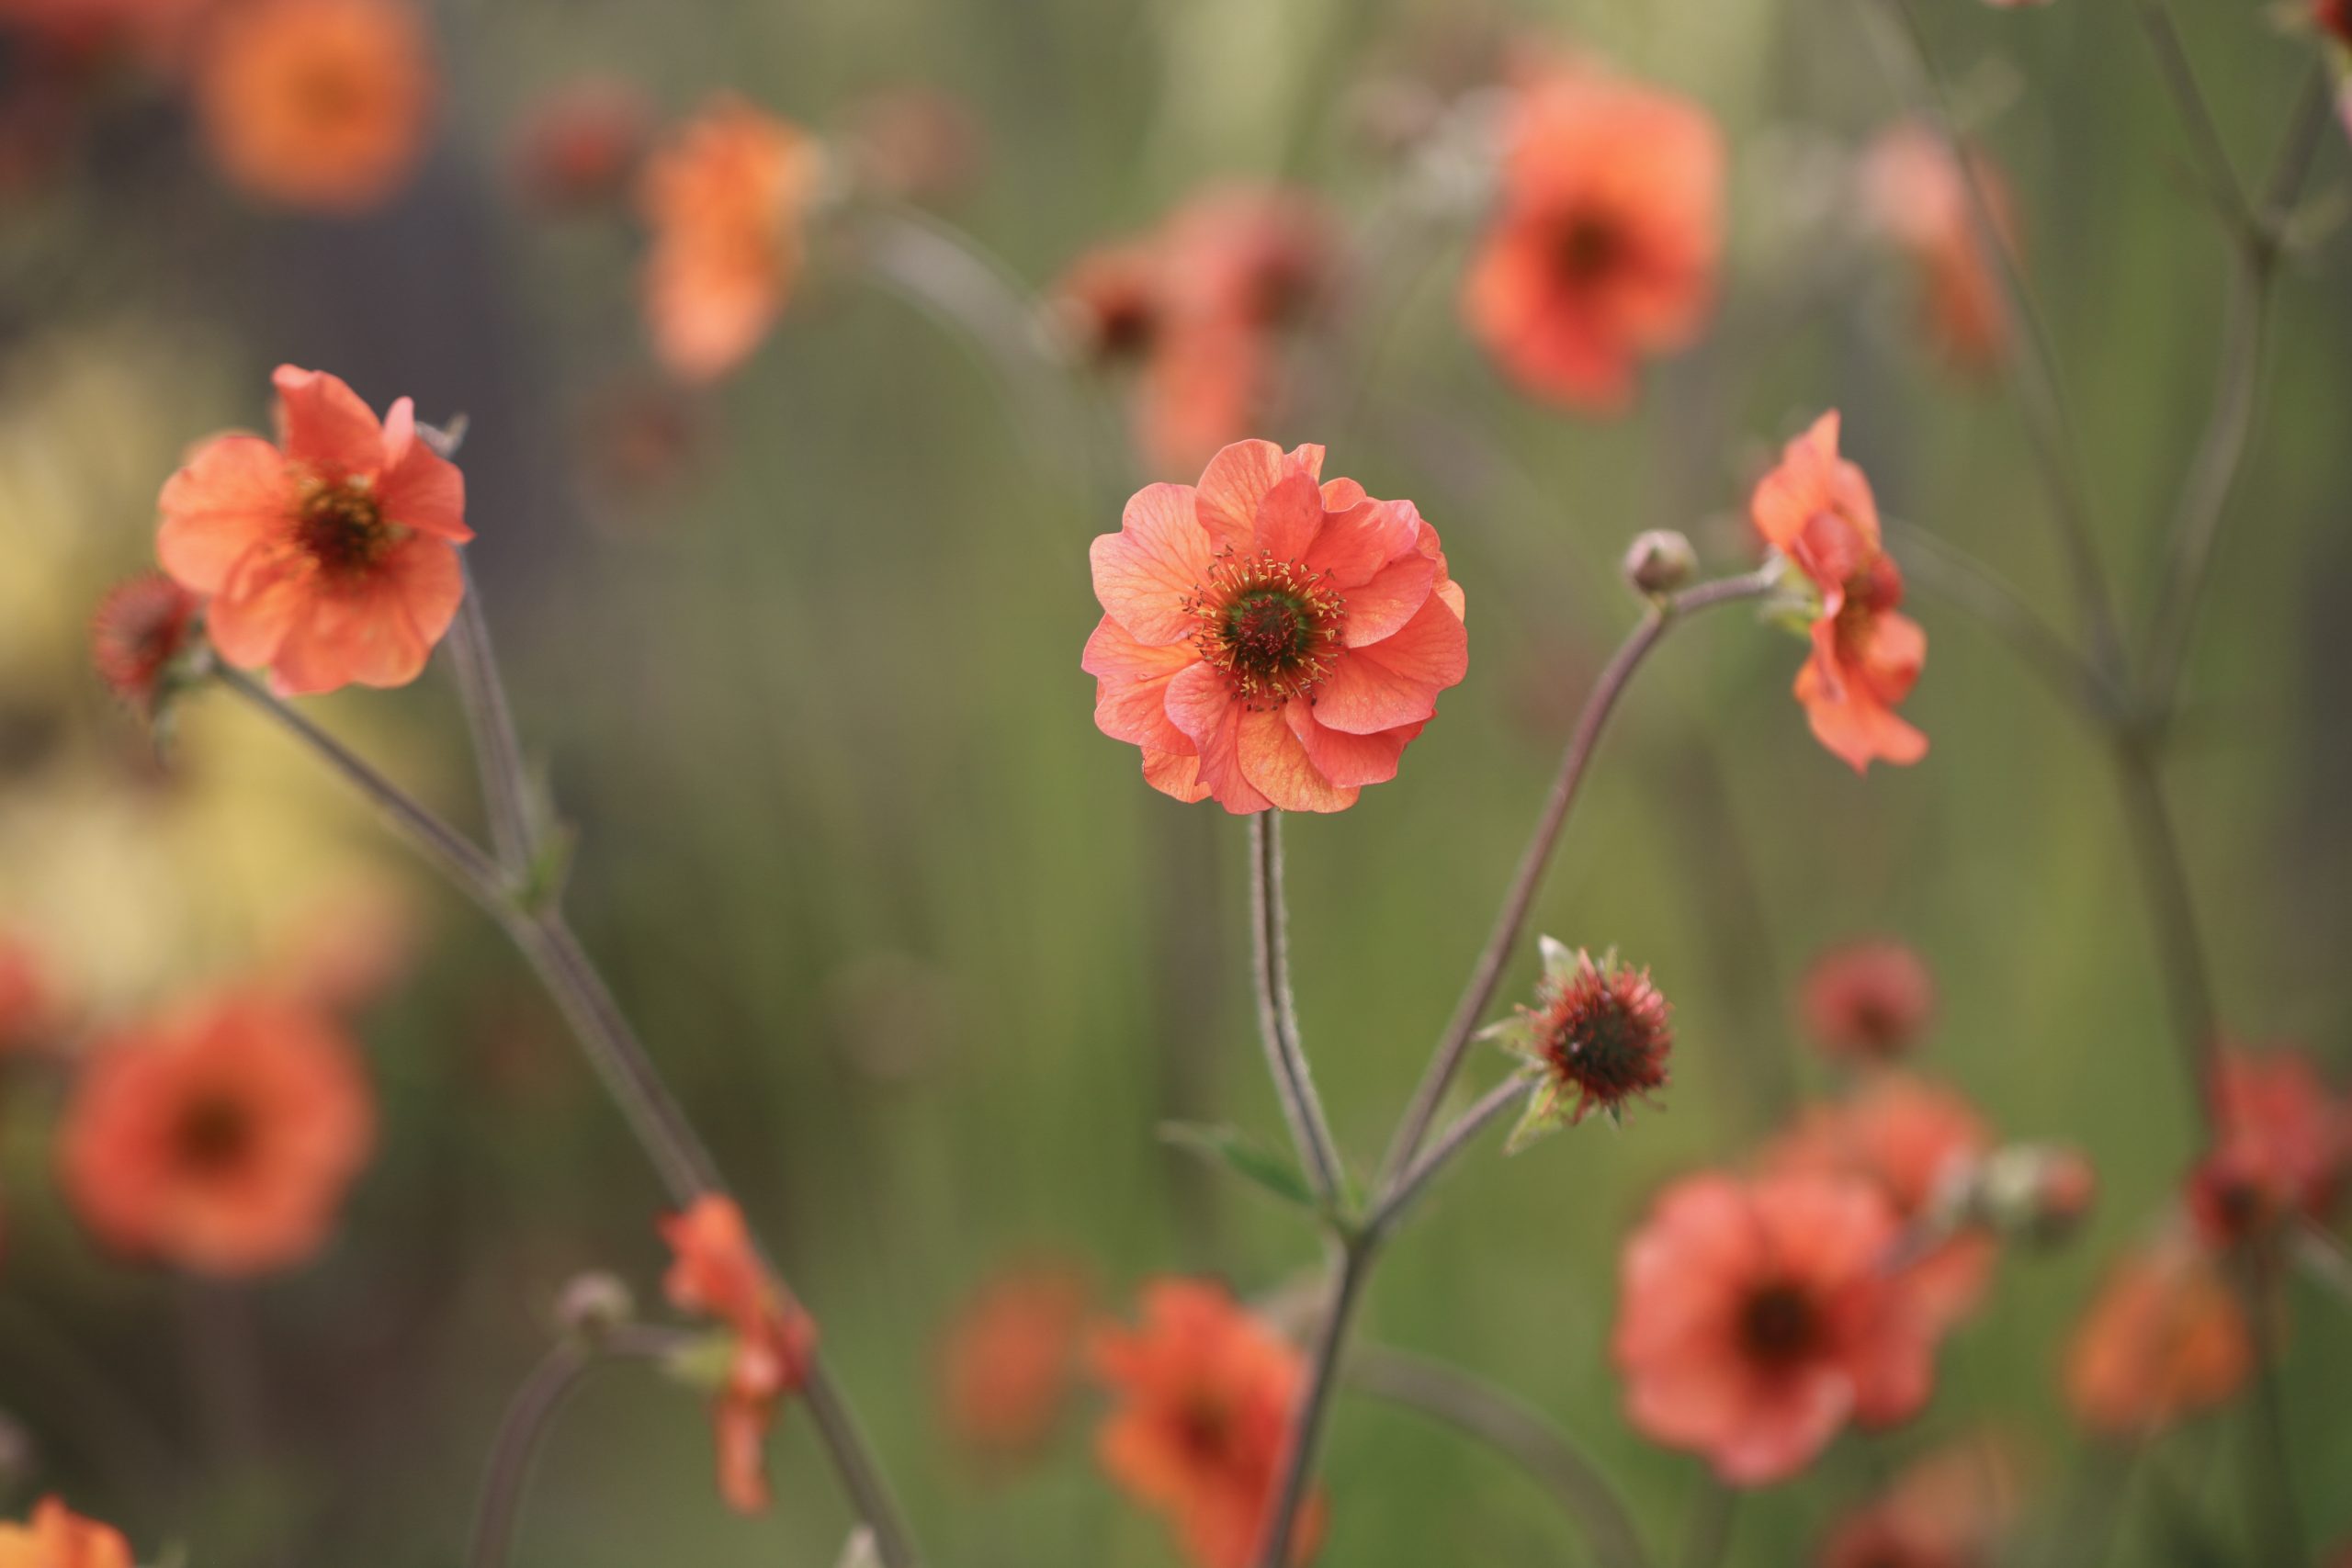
x,y
28,1007
1605,247
725,198
1916,1142
1267,641
141,628
1916,194
1948,1510
319,104
1818,509
1756,1319
2281,1141
1111,301
2164,1338
717,1274
1206,1394
579,146
1867,1002
221,1138
59,1538
1009,1359
329,557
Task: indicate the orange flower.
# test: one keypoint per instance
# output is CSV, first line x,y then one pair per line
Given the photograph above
x,y
1868,1001
329,557
1597,1037
1917,196
2164,1338
1918,1143
1818,509
1755,1319
1605,247
1949,1510
317,103
725,198
1110,301
1006,1366
717,1274
1268,642
579,146
2281,1145
1206,1394
141,627
59,1538
221,1138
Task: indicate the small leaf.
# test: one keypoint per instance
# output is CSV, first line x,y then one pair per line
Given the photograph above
x,y
1245,1156
1539,1121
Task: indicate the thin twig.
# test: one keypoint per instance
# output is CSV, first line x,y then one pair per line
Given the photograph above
x,y
1351,1266
1503,940
1537,1446
2172,910
1277,1015
497,756
1960,580
1504,1096
2195,115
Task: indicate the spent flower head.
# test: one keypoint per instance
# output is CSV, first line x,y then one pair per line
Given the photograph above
x,y
1598,1036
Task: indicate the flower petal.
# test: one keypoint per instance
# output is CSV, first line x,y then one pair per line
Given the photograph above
x,y
325,425
1236,479
377,632
1358,540
1380,608
1202,704
258,605
1348,761
1395,681
1144,572
419,489
1174,774
1272,759
232,494
1289,517
1131,686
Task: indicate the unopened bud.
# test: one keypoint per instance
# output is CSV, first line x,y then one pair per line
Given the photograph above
x,y
2040,1192
1659,561
592,1307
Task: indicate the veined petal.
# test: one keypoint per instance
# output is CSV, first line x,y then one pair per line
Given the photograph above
x,y
1236,479
233,493
1131,687
419,489
1395,681
1360,539
1202,704
1379,609
1273,759
326,425
1348,761
1289,517
258,604
1174,773
1144,572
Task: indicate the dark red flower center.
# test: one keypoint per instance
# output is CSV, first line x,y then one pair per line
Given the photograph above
x,y
1204,1428
1271,626
1604,1033
341,527
1779,1325
214,1134
1587,247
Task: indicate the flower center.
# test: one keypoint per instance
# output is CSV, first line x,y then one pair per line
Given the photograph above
x,y
341,526
1204,1428
1779,1324
1269,625
1588,246
214,1134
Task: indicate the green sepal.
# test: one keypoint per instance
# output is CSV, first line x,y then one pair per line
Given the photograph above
x,y
1539,1121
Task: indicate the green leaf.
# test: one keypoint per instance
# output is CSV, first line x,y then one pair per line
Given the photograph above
x,y
1245,1156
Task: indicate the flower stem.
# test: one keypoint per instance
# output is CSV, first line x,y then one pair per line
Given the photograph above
x,y
1504,1096
1278,1015
1512,1429
1503,940
1351,1266
504,785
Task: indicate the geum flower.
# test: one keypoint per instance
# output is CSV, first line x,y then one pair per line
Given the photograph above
x,y
1755,1319
221,1138
140,630
1917,195
1867,1002
329,557
1818,509
1267,641
2281,1142
59,1538
1009,1359
772,1343
2165,1338
1597,1037
1605,247
1204,1394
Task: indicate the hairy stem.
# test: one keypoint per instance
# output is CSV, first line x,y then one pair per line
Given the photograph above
x,y
504,785
1504,1097
1448,1394
1278,1016
1351,1266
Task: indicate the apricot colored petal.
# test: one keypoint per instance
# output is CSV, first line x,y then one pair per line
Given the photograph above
x,y
1894,649
1202,704
1131,686
325,423
1289,517
232,493
1853,728
1784,1429
379,632
1175,774
1894,1368
741,1427
1395,681
1804,484
1358,540
1450,594
1348,761
1273,759
1237,480
258,605
419,489
1379,609
1144,572
1341,495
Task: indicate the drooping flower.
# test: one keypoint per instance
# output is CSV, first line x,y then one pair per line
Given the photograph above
x,y
1268,642
1818,509
329,557
2165,1338
1756,1319
773,1341
1950,1509
221,1138
319,104
1867,1002
59,1538
1597,1037
577,147
1919,1144
1605,248
1915,195
2281,1142
726,196
1009,1359
141,630
1204,1395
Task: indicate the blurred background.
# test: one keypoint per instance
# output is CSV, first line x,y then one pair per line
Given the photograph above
x,y
799,649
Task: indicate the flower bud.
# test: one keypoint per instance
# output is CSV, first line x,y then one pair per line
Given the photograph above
x,y
1659,561
592,1305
